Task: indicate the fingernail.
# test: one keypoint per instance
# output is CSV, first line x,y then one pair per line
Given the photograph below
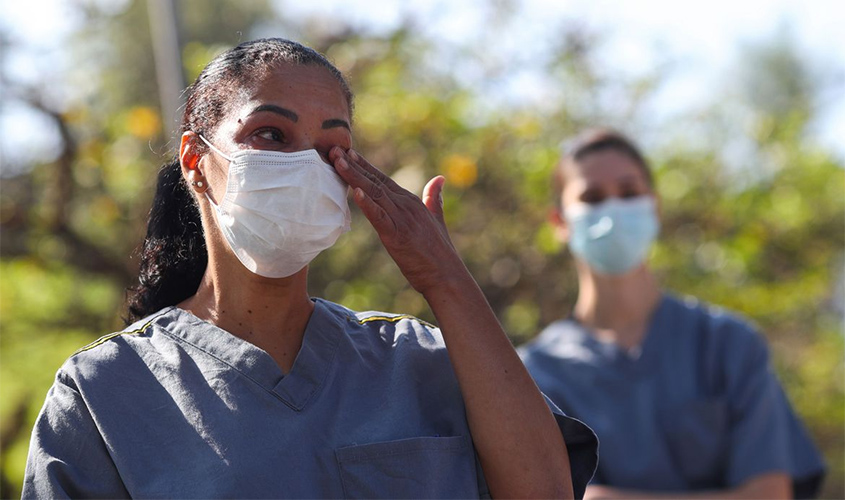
x,y
353,154
341,164
358,193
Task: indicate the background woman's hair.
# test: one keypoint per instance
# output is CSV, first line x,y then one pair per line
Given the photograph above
x,y
593,141
174,256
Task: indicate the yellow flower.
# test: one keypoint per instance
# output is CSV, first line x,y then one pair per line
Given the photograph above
x,y
143,122
460,170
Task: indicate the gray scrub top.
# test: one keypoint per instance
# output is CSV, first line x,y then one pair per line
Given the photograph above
x,y
696,407
175,407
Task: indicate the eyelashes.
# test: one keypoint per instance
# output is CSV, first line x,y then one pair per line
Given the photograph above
x,y
272,137
594,197
270,134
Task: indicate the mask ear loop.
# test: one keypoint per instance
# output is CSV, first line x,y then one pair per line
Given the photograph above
x,y
221,153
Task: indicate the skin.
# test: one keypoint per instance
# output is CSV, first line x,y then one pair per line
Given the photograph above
x,y
618,308
517,439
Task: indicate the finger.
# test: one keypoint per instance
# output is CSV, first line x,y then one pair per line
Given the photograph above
x,y
335,153
352,172
374,213
371,171
432,197
357,177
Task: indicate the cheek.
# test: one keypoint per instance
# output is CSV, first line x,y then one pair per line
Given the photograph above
x,y
323,146
216,174
569,196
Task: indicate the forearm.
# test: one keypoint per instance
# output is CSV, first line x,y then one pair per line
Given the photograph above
x,y
518,442
517,438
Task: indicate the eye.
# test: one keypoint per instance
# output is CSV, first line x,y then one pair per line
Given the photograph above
x,y
630,193
592,197
270,134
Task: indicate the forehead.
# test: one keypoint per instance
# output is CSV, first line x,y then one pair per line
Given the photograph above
x,y
601,167
309,90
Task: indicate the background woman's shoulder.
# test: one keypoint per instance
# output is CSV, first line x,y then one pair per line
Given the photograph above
x,y
561,339
726,343
711,319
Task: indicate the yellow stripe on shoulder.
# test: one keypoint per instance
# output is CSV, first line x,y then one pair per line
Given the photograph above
x,y
105,338
391,319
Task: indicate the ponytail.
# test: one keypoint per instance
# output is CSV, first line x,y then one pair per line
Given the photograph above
x,y
174,257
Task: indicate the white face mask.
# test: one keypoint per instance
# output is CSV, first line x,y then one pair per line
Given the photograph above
x,y
280,209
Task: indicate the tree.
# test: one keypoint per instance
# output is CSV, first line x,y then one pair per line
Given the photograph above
x,y
735,233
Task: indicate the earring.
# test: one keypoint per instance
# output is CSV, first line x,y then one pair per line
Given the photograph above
x,y
197,181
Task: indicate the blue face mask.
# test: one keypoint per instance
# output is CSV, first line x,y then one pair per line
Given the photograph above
x,y
613,236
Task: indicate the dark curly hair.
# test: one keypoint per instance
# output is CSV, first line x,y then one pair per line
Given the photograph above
x,y
174,256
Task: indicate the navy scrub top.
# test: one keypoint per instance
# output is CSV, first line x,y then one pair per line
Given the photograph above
x,y
695,407
176,407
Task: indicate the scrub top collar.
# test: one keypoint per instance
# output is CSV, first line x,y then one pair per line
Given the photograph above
x,y
639,357
312,365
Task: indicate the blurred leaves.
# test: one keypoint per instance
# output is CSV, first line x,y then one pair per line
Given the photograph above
x,y
752,210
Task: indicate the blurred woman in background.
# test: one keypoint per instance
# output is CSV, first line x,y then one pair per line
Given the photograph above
x,y
681,395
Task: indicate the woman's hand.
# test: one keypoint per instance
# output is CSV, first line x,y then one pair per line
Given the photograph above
x,y
412,230
519,444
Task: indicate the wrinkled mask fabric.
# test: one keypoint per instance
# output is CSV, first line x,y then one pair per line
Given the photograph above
x,y
280,210
613,236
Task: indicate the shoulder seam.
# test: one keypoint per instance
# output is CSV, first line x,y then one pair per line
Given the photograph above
x,y
389,319
105,338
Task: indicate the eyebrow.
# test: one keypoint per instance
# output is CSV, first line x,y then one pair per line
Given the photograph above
x,y
335,122
292,116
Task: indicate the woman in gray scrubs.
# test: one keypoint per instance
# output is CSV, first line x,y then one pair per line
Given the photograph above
x,y
681,395
232,382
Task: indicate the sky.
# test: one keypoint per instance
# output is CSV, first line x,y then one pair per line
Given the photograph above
x,y
702,39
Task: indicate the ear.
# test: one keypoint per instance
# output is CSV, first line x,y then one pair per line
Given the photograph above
x,y
189,159
559,224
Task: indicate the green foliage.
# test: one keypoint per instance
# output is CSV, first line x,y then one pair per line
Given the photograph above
x,y
762,234
47,312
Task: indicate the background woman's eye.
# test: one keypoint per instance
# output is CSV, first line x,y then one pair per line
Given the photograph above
x,y
592,197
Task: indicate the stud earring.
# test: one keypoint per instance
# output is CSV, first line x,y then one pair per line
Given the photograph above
x,y
197,181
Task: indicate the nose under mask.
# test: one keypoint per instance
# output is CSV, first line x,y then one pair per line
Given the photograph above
x,y
280,210
614,236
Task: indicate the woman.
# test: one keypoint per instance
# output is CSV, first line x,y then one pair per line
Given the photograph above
x,y
233,382
681,396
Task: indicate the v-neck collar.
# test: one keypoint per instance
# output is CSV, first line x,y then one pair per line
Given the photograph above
x,y
638,358
310,368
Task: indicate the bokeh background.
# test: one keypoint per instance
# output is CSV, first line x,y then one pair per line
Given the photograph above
x,y
738,105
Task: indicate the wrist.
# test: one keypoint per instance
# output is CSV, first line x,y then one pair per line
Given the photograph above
x,y
454,285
